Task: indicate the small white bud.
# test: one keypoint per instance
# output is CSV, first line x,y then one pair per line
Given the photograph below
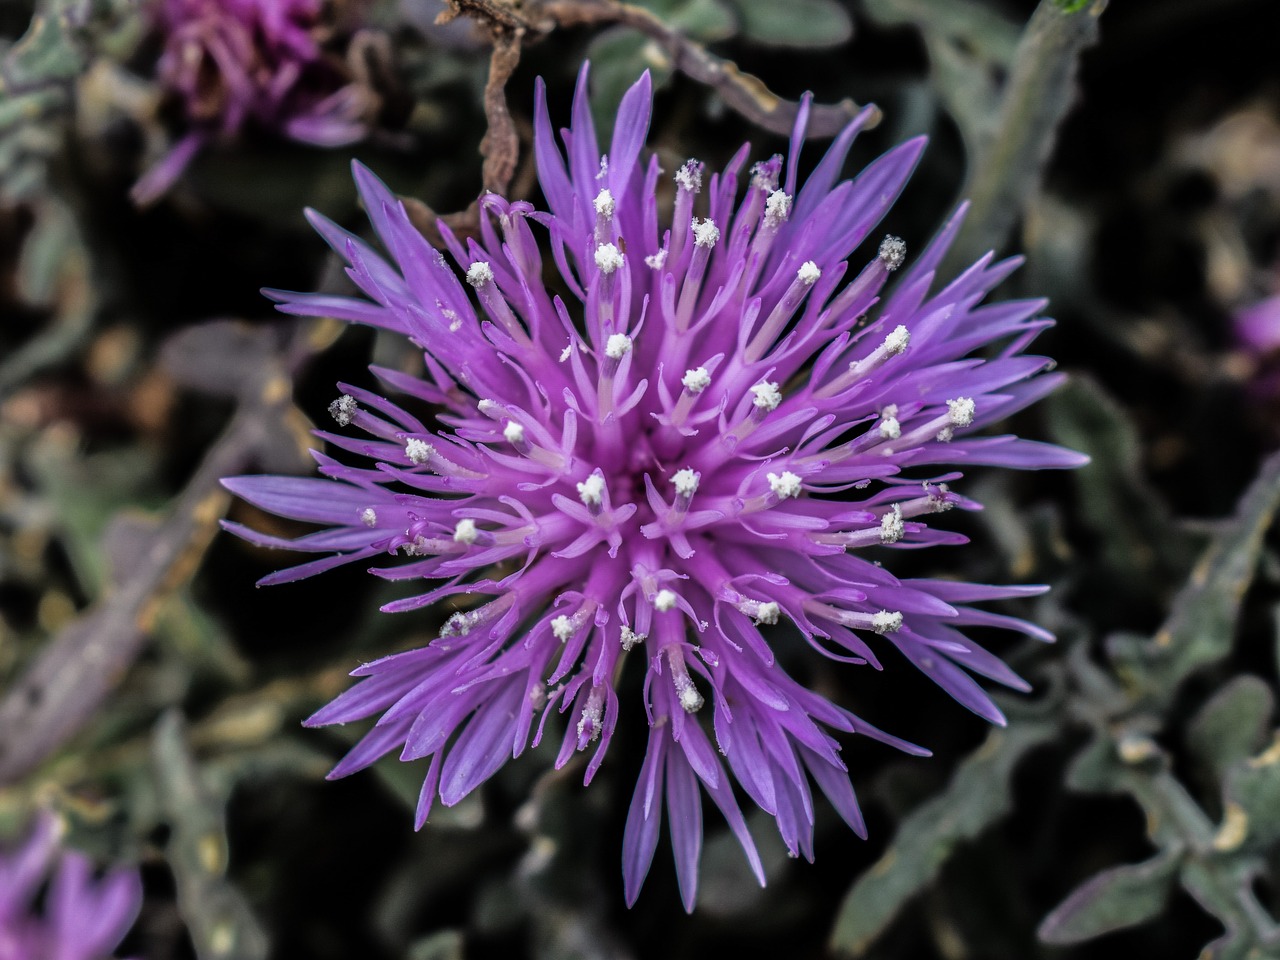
x,y
513,432
886,621
892,252
767,396
686,482
591,490
689,176
369,517
479,273
656,261
562,627
418,451
777,208
786,485
808,273
696,380
665,600
961,411
604,204
705,232
617,345
465,532
891,525
343,409
608,258
897,341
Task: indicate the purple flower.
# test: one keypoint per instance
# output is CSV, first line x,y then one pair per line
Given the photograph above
x,y
689,454
83,918
236,62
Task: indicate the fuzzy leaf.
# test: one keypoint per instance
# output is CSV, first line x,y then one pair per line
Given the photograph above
x,y
797,23
1232,725
1113,900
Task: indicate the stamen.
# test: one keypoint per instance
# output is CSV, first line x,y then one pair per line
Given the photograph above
x,y
696,380
809,273
418,451
786,485
369,517
686,482
777,209
617,346
630,638
665,600
893,251
689,176
513,432
690,699
562,627
479,273
343,409
886,621
591,490
466,532
891,525
608,258
767,396
604,204
961,411
656,261
897,341
705,233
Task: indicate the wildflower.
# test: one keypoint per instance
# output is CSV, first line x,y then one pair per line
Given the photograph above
x,y
679,476
235,62
82,918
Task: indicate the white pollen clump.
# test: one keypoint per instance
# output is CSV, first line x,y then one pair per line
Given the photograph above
x,y
808,273
589,722
891,525
369,517
785,486
608,258
777,208
418,451
513,432
897,341
696,380
893,250
665,600
705,232
689,177
590,490
961,411
886,621
566,353
656,261
630,638
946,434
763,177
604,204
465,532
343,409
617,345
767,396
767,613
890,428
690,699
479,273
562,627
686,482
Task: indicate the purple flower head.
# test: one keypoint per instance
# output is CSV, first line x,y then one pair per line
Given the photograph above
x,y
83,918
236,62
689,452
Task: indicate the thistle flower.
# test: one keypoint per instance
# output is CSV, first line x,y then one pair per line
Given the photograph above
x,y
688,455
82,918
235,62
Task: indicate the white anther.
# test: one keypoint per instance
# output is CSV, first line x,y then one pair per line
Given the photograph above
x,y
566,353
767,396
897,341
608,258
764,178
479,273
777,208
808,273
656,261
343,409
369,517
785,486
604,204
892,252
562,627
886,621
591,719
689,176
891,525
961,411
630,638
890,428
690,699
617,345
418,451
705,232
696,380
591,490
513,432
665,600
946,434
767,612
465,532
686,482
604,167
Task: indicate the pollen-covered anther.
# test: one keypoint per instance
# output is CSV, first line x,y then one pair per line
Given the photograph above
x,y
629,638
656,261
961,411
777,208
513,432
689,176
767,396
690,699
785,485
591,490
589,724
562,627
618,345
418,451
705,233
686,482
369,517
696,380
891,525
760,611
808,273
893,251
886,621
466,532
890,428
897,341
479,273
343,409
665,600
608,258
604,204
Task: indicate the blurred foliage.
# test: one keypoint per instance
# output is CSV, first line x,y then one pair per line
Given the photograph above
x,y
149,693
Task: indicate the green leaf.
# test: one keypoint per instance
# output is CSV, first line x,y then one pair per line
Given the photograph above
x,y
1231,725
1252,802
1113,900
976,798
796,23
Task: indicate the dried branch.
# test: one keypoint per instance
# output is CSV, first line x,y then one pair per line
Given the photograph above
x,y
500,146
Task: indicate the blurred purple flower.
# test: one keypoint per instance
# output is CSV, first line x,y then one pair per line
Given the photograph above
x,y
235,62
1257,330
699,445
83,918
